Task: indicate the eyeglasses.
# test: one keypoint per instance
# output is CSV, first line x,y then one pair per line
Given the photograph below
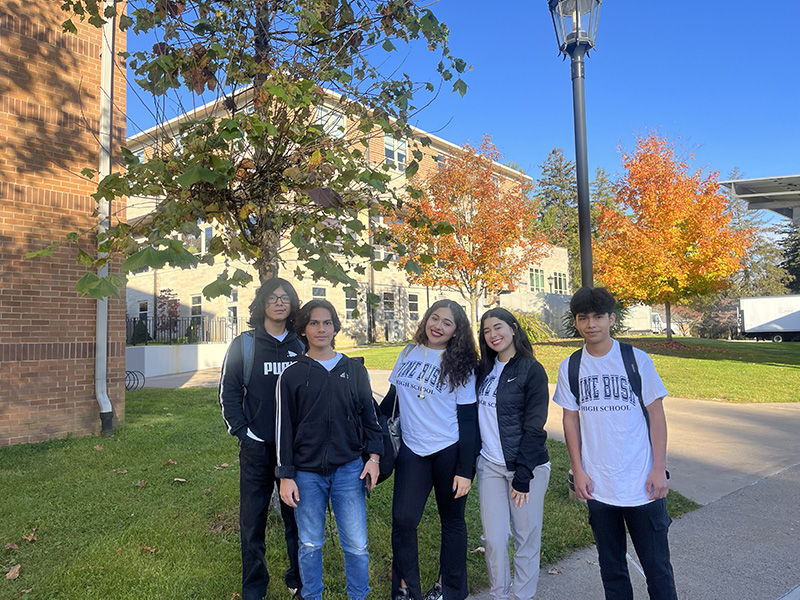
x,y
273,299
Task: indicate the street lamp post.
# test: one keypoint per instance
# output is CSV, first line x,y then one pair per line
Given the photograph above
x,y
575,22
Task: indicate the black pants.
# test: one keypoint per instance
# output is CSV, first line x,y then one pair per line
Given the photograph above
x,y
256,482
414,476
648,525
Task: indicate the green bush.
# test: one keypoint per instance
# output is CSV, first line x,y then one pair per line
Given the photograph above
x,y
140,334
532,324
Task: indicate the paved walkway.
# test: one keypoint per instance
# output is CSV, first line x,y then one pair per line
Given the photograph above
x,y
741,461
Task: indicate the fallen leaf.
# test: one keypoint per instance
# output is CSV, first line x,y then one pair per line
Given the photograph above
x,y
222,466
168,415
480,549
591,562
148,549
207,491
28,591
554,571
170,462
13,572
11,546
141,484
98,447
119,550
179,480
121,472
31,537
236,596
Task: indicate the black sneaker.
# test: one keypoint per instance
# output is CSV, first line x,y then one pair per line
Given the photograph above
x,y
403,594
435,593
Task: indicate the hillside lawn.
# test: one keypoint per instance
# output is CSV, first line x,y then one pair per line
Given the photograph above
x,y
722,370
152,513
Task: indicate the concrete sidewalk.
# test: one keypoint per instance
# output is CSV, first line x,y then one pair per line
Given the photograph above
x,y
741,461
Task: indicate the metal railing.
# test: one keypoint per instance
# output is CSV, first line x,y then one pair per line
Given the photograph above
x,y
182,330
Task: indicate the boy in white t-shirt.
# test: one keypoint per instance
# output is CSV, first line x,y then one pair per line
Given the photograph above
x,y
619,467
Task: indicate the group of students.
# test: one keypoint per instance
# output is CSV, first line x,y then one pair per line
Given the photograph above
x,y
304,415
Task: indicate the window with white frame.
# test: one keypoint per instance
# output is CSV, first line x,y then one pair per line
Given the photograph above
x,y
413,307
560,283
197,310
144,311
332,121
318,292
388,306
537,280
208,233
395,152
350,303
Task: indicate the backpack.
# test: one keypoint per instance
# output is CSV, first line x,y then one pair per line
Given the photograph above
x,y
631,369
248,356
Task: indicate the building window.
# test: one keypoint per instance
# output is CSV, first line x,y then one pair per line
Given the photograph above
x,y
332,121
197,307
318,292
537,280
395,152
350,303
413,307
234,296
388,306
143,311
208,233
560,283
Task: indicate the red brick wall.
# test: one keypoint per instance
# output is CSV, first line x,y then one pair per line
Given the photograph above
x,y
49,114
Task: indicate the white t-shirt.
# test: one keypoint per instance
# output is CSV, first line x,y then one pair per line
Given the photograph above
x,y
491,449
615,446
331,362
427,406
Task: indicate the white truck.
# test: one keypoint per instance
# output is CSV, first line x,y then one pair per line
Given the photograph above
x,y
775,318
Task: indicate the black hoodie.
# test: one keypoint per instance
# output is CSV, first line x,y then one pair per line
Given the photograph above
x,y
254,408
325,419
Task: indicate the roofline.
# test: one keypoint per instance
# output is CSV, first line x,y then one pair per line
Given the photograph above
x,y
139,138
729,182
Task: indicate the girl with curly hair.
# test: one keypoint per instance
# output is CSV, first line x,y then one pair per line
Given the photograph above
x,y
434,382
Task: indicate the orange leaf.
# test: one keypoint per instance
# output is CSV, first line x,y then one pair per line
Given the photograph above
x,y
170,462
141,483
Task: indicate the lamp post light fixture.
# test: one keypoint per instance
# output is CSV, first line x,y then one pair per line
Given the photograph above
x,y
550,281
575,22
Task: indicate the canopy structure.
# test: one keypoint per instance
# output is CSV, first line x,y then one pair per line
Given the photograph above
x,y
781,195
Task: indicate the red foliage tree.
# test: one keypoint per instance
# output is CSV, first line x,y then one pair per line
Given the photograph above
x,y
486,237
671,240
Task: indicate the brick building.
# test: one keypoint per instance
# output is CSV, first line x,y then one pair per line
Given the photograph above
x,y
49,124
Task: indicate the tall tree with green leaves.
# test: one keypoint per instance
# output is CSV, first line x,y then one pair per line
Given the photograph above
x,y
277,170
791,256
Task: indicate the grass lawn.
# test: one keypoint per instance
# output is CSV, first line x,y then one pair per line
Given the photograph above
x,y
729,371
84,529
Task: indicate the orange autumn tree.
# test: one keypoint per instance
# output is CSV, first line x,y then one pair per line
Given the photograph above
x,y
485,237
670,239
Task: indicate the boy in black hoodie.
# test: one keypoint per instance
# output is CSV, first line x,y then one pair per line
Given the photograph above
x,y
248,408
325,421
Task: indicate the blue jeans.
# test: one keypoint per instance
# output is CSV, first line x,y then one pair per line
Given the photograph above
x,y
648,525
346,493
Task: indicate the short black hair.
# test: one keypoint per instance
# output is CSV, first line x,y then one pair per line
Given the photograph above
x,y
304,316
592,300
259,304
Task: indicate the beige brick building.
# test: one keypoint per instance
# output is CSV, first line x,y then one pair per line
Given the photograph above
x,y
49,124
543,289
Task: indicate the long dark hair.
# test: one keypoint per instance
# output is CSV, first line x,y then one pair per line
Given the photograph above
x,y
304,316
521,342
259,304
460,357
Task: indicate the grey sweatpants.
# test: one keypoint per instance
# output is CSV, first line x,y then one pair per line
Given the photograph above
x,y
501,519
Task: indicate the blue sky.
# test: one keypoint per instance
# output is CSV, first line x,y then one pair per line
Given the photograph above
x,y
721,77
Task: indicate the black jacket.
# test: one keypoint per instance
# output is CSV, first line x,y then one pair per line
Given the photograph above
x,y
325,419
522,401
255,407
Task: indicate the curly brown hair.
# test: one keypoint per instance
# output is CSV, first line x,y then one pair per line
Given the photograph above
x,y
460,357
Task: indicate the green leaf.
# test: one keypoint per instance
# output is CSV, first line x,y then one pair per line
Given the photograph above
x,y
85,259
194,174
388,45
460,86
47,251
412,168
69,27
460,65
147,257
413,266
373,299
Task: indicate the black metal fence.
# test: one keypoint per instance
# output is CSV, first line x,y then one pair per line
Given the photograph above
x,y
182,330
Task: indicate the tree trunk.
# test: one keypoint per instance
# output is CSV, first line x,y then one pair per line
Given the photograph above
x,y
668,311
267,264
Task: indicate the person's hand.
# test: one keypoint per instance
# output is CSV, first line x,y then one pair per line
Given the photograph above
x,y
461,486
656,484
520,498
583,485
372,469
289,492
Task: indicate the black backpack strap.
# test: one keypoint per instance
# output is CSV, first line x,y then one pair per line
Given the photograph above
x,y
573,372
634,378
248,356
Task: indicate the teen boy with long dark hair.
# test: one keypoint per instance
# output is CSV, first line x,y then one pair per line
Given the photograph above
x,y
248,408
